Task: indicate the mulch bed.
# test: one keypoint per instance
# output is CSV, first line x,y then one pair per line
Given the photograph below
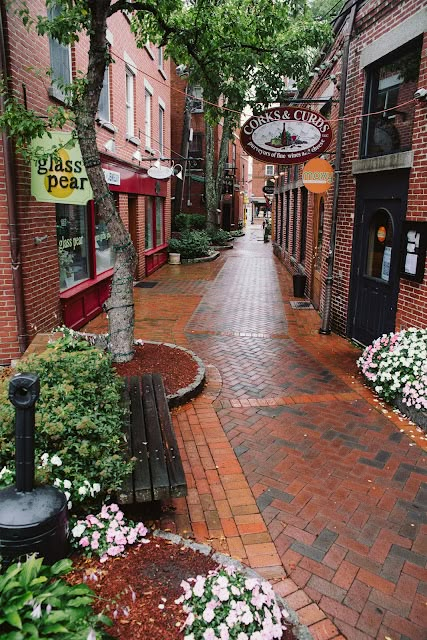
x,y
176,366
140,589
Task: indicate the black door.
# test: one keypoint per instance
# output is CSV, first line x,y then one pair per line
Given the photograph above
x,y
380,209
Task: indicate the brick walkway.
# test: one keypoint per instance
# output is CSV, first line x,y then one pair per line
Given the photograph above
x,y
292,465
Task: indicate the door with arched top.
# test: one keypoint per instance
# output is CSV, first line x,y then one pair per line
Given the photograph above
x,y
376,259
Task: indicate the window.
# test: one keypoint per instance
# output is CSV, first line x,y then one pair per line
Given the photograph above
x,y
147,120
104,98
195,151
60,61
390,83
160,57
197,100
380,241
154,222
281,219
294,222
269,170
103,247
303,236
130,102
161,130
73,244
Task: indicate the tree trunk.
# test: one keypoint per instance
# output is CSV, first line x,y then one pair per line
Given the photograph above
x,y
119,306
210,181
214,180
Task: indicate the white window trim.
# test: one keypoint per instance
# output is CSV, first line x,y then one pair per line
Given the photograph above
x,y
266,170
130,63
130,104
149,50
162,106
148,118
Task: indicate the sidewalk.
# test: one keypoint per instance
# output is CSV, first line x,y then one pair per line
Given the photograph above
x,y
292,465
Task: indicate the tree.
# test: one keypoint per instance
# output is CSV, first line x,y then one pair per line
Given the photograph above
x,y
230,46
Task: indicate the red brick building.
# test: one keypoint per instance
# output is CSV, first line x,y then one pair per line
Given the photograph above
x,y
379,284
191,155
64,257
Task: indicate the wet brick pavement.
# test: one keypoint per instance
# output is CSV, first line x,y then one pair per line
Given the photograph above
x,y
292,465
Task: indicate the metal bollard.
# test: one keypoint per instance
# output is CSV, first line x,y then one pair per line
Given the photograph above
x,y
24,391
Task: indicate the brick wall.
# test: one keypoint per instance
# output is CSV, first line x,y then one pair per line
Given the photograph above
x,y
29,58
373,20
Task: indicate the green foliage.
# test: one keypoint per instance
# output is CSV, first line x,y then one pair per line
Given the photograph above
x,y
186,221
191,244
78,420
219,237
36,603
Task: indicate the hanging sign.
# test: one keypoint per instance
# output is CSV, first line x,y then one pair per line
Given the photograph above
x,y
61,178
286,135
318,175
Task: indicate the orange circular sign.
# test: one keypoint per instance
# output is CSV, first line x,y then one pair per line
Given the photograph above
x,y
318,175
381,234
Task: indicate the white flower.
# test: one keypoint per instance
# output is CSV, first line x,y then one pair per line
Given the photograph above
x,y
67,484
36,613
78,530
96,487
82,491
91,635
56,460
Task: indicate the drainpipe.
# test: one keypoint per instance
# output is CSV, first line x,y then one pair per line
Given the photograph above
x,y
10,180
179,185
325,329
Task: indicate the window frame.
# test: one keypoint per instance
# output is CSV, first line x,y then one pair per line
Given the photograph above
x,y
54,90
130,101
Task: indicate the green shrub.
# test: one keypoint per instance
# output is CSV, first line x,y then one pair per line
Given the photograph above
x,y
192,244
180,222
174,245
79,443
188,221
36,603
219,237
197,222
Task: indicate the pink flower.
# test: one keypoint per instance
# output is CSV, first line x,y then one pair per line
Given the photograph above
x,y
208,615
84,542
114,508
209,634
94,545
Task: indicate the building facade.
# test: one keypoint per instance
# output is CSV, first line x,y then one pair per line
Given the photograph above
x,y
64,255
379,282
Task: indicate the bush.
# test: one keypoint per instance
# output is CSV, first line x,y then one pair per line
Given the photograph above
x,y
79,443
191,244
220,237
197,222
397,364
180,222
226,604
188,221
36,603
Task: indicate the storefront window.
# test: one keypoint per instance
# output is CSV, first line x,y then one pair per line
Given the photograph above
x,y
72,238
103,247
379,246
154,223
149,223
159,222
391,86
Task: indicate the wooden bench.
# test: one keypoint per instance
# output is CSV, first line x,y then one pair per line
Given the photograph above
x,y
158,473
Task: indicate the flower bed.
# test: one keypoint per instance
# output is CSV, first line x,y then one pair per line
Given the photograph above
x,y
395,366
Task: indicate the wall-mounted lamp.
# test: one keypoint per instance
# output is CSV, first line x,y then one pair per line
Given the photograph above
x,y
178,174
110,145
137,156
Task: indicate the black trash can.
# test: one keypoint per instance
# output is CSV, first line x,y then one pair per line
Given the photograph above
x,y
300,281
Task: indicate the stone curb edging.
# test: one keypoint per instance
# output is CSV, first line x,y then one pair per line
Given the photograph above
x,y
182,395
223,247
212,256
300,631
194,388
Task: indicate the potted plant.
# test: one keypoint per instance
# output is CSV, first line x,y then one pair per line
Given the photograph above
x,y
174,250
65,273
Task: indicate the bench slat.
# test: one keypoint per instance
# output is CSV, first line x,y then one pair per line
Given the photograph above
x,y
126,494
159,474
141,472
178,485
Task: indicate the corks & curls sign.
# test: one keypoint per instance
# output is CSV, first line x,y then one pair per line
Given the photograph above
x,y
286,135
